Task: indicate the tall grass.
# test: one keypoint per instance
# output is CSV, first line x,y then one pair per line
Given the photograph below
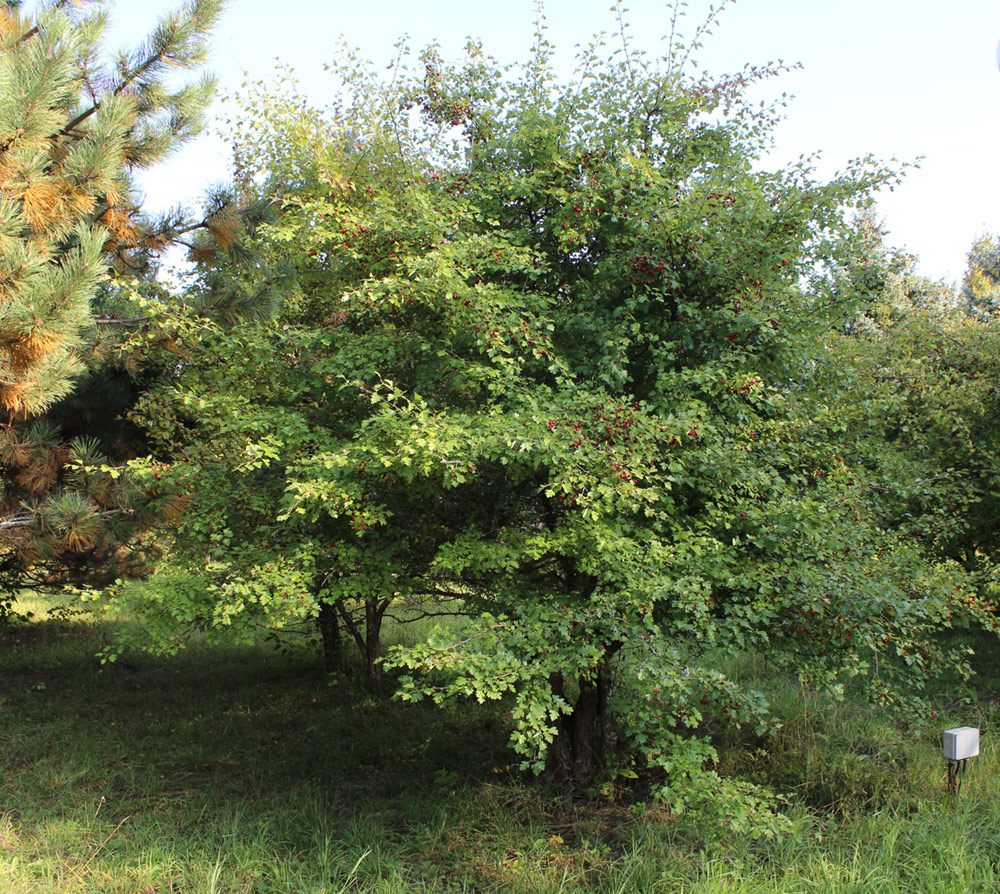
x,y
247,770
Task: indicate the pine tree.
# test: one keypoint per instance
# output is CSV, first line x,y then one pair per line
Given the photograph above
x,y
76,125
74,128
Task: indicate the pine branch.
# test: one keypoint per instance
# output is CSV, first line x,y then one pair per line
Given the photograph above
x,y
128,78
113,321
17,520
31,32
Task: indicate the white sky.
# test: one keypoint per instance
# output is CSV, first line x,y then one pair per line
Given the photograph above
x,y
898,78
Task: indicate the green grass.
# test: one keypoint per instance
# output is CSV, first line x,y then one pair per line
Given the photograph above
x,y
245,770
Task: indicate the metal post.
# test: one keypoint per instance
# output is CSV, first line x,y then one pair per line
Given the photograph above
x,y
956,773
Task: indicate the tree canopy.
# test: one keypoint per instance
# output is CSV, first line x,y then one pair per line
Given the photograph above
x,y
551,358
74,126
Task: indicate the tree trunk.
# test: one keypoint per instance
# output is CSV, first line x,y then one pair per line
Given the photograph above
x,y
583,741
369,640
373,646
328,622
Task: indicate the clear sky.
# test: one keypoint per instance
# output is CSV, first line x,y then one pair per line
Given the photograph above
x,y
899,78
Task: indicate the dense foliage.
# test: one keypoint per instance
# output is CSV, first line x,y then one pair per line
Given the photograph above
x,y
927,418
550,363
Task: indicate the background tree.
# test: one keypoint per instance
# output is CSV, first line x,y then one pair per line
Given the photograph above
x,y
980,290
923,367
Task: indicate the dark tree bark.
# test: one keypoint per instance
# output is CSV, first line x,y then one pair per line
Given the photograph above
x,y
584,739
373,646
328,622
369,640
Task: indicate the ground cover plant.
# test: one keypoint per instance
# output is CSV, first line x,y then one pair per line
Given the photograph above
x,y
242,769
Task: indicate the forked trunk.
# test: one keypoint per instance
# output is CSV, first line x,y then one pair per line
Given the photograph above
x,y
373,647
368,639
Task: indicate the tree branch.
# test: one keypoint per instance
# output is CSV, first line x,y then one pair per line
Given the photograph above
x,y
18,520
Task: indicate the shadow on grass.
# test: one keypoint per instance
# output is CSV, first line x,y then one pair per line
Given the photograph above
x,y
244,769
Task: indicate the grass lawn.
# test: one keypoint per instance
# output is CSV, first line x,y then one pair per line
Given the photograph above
x,y
247,770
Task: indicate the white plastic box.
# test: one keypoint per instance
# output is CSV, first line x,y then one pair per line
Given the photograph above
x,y
961,743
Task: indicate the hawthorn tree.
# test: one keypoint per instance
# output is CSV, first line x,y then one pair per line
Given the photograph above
x,y
549,354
